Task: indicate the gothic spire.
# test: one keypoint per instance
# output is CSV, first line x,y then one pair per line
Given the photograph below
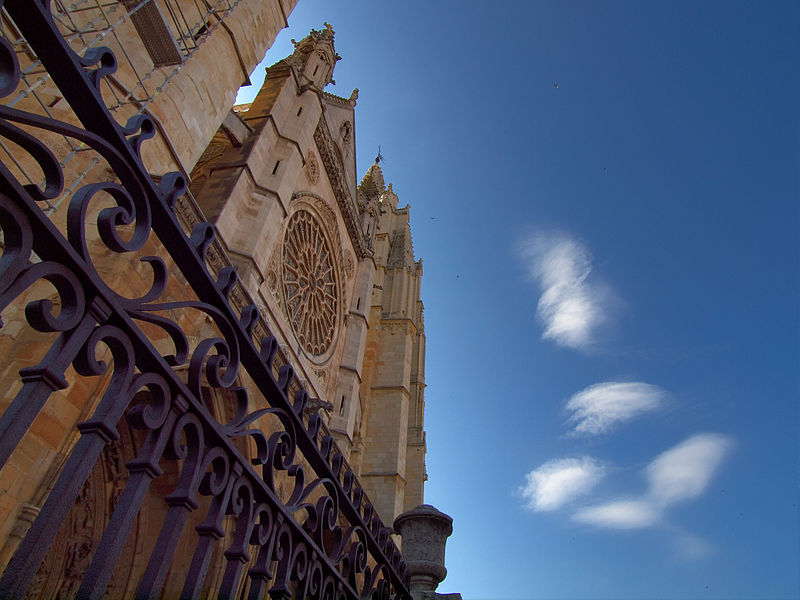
x,y
314,58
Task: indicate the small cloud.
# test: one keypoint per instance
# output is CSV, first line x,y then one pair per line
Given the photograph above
x,y
620,514
692,547
683,472
570,307
559,481
600,407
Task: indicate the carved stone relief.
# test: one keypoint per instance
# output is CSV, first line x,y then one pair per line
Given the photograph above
x,y
312,168
77,540
273,275
215,149
65,564
348,266
322,375
346,132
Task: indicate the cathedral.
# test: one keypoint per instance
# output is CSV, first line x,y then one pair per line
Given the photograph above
x,y
331,260
309,262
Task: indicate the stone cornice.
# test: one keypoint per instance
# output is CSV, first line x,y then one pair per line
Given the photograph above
x,y
334,99
394,325
384,474
335,171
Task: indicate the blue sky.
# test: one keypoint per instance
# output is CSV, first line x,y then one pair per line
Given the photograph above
x,y
611,282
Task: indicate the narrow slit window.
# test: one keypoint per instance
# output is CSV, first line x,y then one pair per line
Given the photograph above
x,y
358,304
316,69
299,110
201,32
341,406
275,168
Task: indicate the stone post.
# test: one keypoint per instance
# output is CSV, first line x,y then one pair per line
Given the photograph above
x,y
424,531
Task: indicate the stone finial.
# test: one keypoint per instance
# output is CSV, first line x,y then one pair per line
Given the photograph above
x,y
424,531
314,58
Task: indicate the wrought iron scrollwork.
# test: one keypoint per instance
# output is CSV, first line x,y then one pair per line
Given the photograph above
x,y
289,515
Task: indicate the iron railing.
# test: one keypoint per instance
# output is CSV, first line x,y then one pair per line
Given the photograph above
x,y
274,506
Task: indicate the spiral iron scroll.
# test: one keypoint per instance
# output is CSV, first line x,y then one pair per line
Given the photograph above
x,y
297,546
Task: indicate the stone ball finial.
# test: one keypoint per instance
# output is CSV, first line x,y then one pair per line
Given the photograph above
x,y
424,531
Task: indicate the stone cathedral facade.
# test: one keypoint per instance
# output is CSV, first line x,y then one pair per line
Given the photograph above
x,y
331,260
323,251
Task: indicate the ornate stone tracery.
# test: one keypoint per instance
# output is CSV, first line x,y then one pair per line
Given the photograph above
x,y
310,286
335,171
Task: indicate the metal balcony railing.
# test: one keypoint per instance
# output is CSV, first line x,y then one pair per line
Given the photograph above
x,y
193,469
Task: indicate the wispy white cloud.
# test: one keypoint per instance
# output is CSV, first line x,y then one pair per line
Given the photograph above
x,y
600,407
683,472
570,307
558,482
680,473
619,514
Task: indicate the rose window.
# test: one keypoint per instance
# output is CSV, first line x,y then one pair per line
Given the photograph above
x,y
309,283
